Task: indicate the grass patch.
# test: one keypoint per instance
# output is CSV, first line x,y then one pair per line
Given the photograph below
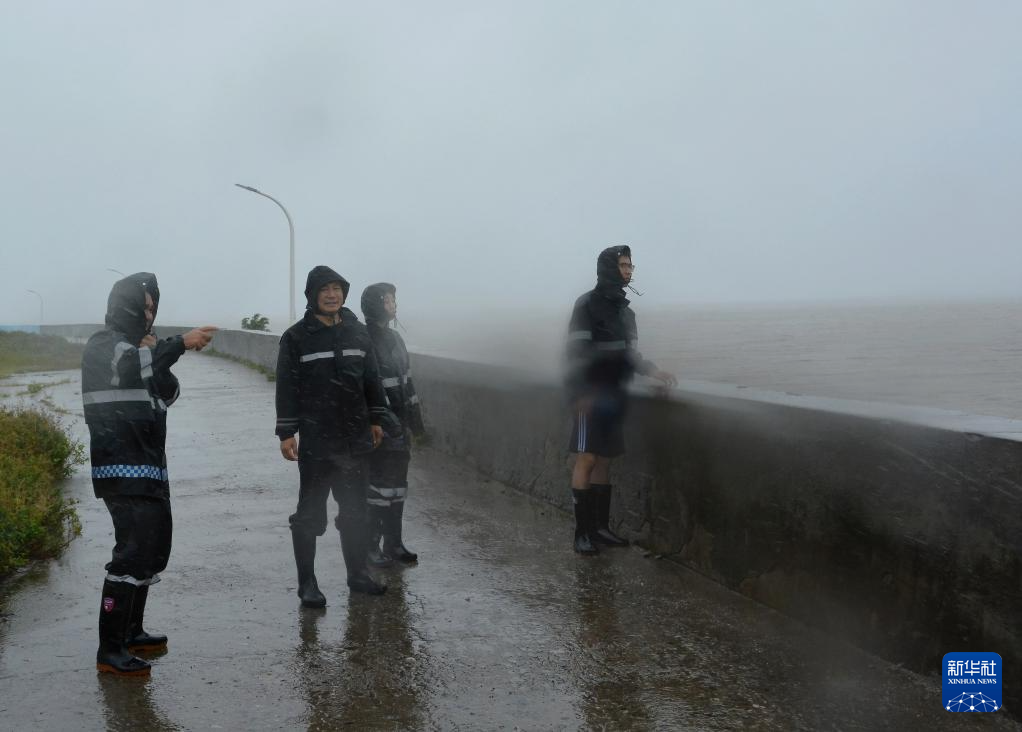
x,y
270,374
36,520
34,388
50,404
24,352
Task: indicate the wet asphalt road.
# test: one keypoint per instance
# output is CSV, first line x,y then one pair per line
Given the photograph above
x,y
500,626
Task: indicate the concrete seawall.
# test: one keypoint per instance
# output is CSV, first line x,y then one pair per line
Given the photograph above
x,y
898,528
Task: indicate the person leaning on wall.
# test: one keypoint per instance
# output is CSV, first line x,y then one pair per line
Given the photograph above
x,y
602,358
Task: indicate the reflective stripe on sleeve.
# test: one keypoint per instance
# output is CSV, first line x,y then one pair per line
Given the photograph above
x,y
353,352
391,381
145,360
120,348
580,335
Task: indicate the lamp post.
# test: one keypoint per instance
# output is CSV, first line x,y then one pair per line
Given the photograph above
x,y
291,227
40,304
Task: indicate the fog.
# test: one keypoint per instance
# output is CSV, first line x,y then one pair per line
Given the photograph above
x,y
479,155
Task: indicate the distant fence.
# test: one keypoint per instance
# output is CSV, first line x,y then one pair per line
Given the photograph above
x,y
897,528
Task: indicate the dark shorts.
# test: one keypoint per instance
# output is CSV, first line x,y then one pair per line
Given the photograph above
x,y
601,430
142,531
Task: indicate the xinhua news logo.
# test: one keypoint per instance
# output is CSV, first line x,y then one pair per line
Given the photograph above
x,y
972,682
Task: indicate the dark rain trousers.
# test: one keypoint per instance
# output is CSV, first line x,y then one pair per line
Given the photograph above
x,y
142,531
388,477
344,475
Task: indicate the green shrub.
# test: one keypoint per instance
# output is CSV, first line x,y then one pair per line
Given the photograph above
x,y
36,520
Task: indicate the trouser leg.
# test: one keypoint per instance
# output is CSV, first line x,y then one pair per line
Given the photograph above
x,y
350,488
307,522
378,504
395,478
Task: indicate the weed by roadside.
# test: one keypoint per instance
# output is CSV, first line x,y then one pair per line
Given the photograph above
x,y
36,455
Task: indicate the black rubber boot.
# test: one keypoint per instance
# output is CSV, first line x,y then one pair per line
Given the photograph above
x,y
113,656
364,582
138,640
603,534
353,545
377,558
583,521
393,545
305,560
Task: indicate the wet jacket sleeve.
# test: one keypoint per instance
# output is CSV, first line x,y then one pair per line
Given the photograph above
x,y
580,349
288,392
413,410
137,367
640,364
165,354
376,397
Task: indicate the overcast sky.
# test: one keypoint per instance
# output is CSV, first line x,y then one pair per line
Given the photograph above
x,y
480,154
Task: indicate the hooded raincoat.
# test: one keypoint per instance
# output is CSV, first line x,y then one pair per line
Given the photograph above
x,y
602,352
328,384
395,368
126,389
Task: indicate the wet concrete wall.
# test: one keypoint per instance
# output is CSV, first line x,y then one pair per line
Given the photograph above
x,y
897,528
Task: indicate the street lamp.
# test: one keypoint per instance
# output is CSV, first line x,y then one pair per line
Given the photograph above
x,y
291,227
116,271
40,304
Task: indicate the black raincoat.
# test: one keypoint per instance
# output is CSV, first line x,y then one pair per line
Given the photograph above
x,y
328,385
395,367
126,390
602,335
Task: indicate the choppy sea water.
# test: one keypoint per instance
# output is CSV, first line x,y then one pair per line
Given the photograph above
x,y
963,356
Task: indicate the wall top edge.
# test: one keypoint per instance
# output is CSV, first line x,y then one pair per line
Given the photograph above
x,y
1003,428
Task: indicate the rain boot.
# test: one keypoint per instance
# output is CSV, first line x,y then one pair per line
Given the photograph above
x,y
603,534
305,560
138,639
376,558
113,656
354,539
583,521
393,546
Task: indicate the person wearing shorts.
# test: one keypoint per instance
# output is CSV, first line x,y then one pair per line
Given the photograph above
x,y
602,359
